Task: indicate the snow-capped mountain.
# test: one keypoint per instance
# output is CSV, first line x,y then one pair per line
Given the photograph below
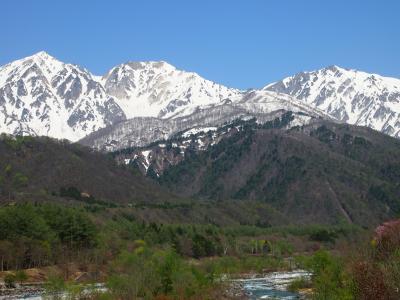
x,y
40,95
158,89
349,96
141,102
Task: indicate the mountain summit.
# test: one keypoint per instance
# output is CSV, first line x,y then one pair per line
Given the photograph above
x,y
40,95
158,89
349,96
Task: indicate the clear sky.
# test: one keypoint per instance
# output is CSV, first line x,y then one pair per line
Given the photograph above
x,y
242,44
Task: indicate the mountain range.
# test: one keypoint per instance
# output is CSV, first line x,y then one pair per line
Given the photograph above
x,y
137,103
277,155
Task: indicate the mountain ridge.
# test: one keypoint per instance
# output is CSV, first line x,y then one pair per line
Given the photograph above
x,y
349,95
40,95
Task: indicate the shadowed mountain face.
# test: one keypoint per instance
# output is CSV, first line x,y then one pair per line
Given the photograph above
x,y
42,168
322,173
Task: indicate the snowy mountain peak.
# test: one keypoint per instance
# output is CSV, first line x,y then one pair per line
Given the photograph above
x,y
41,55
40,95
158,89
348,95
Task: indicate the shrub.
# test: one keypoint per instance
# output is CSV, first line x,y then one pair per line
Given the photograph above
x,y
21,276
387,239
323,235
298,284
9,280
329,278
369,281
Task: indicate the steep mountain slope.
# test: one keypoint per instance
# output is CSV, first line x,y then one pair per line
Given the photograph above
x,y
139,131
40,95
33,168
349,96
319,173
153,159
157,89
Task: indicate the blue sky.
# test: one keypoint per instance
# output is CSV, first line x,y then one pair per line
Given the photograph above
x,y
238,43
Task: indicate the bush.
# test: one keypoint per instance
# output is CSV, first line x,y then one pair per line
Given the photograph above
x,y
377,274
21,276
330,281
323,235
298,284
9,280
54,284
150,274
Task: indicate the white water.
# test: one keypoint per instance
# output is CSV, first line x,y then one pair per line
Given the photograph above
x,y
273,285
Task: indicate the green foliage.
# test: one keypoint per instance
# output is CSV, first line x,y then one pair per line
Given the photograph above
x,y
23,221
21,276
147,274
298,284
16,142
203,246
282,247
72,226
9,280
55,285
71,192
20,180
330,281
387,194
324,134
35,233
324,235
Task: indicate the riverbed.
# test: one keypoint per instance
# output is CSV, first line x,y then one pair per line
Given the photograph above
x,y
271,286
254,287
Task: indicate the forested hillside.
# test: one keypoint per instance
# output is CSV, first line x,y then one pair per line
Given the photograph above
x,y
322,173
41,168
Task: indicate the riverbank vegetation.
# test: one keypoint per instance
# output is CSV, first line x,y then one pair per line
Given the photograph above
x,y
75,244
370,270
135,259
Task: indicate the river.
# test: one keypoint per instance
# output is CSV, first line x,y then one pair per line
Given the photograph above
x,y
272,285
